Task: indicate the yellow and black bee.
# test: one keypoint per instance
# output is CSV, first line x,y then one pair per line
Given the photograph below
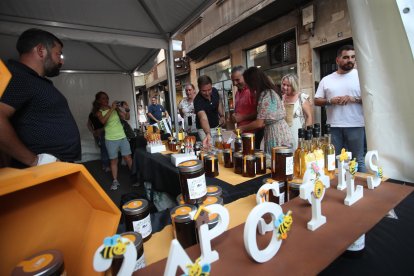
x,y
318,188
196,269
283,224
113,246
353,167
380,173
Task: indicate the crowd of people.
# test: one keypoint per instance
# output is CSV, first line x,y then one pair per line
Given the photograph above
x,y
38,126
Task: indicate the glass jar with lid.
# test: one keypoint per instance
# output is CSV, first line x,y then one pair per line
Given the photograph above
x,y
211,165
184,227
248,143
137,217
283,165
192,181
238,162
249,166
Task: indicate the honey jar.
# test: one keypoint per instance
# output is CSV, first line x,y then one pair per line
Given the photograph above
x,y
137,217
282,199
220,156
192,181
45,263
249,166
211,165
283,165
228,158
248,143
238,144
184,226
293,190
213,190
238,162
260,162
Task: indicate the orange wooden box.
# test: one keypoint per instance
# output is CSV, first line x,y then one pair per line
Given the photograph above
x,y
54,206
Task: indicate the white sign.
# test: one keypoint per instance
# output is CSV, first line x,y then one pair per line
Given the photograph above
x,y
264,227
313,189
371,163
343,159
352,194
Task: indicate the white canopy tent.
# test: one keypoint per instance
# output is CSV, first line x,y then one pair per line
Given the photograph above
x,y
104,43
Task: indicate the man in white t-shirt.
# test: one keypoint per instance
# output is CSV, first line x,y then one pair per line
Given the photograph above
x,y
341,94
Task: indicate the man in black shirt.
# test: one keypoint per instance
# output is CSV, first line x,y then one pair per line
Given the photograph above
x,y
209,110
35,120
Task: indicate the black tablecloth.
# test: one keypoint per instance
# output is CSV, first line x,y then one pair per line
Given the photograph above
x,y
158,169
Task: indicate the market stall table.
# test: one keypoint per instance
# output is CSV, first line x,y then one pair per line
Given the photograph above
x,y
312,250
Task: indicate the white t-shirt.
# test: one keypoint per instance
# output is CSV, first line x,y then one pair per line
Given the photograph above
x,y
334,85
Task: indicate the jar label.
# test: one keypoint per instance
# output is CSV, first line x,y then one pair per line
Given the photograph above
x,y
197,187
282,198
331,162
143,226
289,165
140,263
358,245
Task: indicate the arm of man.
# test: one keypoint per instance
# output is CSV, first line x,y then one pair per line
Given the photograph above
x,y
152,116
239,117
221,113
166,114
202,116
308,110
10,142
350,99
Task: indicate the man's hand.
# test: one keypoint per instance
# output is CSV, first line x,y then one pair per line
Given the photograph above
x,y
238,117
344,100
207,141
221,121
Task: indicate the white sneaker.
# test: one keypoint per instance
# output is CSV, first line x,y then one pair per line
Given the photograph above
x,y
115,185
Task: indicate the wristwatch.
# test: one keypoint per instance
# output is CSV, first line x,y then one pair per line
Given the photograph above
x,y
328,102
358,99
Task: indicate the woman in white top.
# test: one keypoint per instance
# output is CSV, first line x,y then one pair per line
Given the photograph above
x,y
298,106
186,108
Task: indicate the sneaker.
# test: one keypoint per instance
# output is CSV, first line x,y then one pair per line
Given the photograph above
x,y
115,185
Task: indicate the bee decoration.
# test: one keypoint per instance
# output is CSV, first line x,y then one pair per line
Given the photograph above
x,y
283,224
113,246
318,188
343,156
380,173
196,269
353,167
315,168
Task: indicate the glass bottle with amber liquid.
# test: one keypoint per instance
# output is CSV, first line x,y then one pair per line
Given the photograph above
x,y
307,149
316,147
297,171
238,142
329,151
218,139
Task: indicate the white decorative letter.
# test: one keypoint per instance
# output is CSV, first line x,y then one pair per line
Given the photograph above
x,y
373,181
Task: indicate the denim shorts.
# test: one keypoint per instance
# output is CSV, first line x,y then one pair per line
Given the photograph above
x,y
114,146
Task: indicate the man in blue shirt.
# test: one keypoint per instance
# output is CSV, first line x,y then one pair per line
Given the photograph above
x,y
155,111
35,120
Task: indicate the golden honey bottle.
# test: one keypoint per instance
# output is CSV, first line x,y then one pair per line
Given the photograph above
x,y
329,151
306,151
317,148
296,157
218,139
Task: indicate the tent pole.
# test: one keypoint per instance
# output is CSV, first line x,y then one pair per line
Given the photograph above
x,y
134,101
171,84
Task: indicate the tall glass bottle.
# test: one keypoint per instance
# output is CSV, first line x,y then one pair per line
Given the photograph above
x,y
316,147
297,172
238,142
329,151
218,139
306,151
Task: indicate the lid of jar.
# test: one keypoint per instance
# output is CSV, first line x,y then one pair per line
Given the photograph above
x,y
213,218
301,133
238,155
180,199
213,190
213,200
247,135
134,237
48,262
210,157
135,206
227,150
271,180
284,150
294,185
190,166
182,213
258,153
250,157
274,149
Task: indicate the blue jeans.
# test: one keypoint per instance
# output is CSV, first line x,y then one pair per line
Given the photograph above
x,y
104,152
352,139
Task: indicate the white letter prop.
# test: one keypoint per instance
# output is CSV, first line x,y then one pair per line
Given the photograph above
x,y
352,195
373,181
250,226
112,246
206,235
264,227
343,160
176,258
313,190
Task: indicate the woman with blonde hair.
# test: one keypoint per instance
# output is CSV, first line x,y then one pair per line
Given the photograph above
x,y
297,105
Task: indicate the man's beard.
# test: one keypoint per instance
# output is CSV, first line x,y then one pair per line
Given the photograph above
x,y
347,67
51,69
